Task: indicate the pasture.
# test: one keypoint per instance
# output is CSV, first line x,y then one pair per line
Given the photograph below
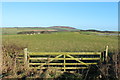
x,y
60,43
63,42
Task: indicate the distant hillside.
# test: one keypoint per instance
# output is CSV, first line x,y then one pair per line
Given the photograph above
x,y
17,30
64,28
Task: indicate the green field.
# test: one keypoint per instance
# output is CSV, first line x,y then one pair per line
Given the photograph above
x,y
14,31
63,42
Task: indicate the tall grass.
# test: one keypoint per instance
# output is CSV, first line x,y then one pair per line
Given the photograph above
x,y
13,68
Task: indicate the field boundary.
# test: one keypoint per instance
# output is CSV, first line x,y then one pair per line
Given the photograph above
x,y
65,61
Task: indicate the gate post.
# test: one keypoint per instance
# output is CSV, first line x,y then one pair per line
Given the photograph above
x,y
26,61
106,53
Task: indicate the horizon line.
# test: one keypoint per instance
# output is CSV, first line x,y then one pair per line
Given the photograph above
x,y
53,26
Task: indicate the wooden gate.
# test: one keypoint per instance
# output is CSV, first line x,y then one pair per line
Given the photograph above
x,y
65,61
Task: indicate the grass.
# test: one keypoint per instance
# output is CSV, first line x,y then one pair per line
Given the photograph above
x,y
63,42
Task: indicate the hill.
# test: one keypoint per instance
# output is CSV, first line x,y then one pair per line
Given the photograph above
x,y
29,30
16,30
62,27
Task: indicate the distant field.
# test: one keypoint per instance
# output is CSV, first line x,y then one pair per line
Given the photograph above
x,y
14,31
63,41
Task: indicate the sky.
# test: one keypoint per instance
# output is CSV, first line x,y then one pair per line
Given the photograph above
x,y
60,0
81,15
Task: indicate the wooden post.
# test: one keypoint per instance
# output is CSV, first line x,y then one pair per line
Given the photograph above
x,y
64,63
106,59
106,53
101,57
26,61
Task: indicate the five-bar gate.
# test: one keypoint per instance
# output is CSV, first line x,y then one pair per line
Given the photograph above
x,y
65,61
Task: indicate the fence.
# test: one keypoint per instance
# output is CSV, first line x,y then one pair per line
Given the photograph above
x,y
65,61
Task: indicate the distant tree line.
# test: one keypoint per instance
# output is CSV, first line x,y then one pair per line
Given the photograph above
x,y
100,31
35,32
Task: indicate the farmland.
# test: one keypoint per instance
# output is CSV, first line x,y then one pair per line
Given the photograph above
x,y
63,42
55,42
59,40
